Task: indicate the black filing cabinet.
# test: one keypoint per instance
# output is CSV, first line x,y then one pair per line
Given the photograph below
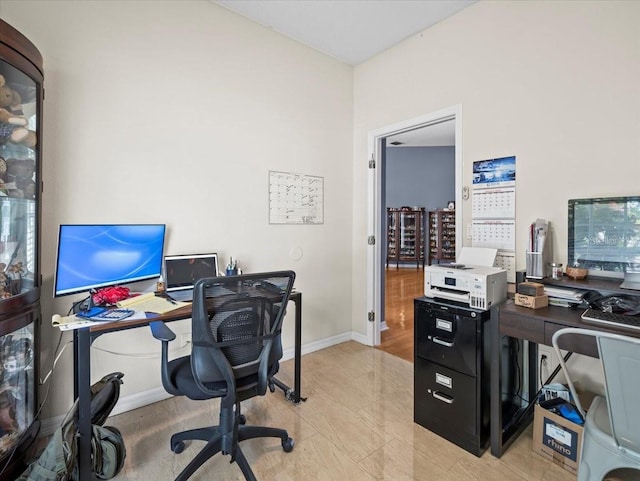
x,y
451,372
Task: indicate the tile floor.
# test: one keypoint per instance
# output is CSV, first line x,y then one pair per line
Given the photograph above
x,y
357,425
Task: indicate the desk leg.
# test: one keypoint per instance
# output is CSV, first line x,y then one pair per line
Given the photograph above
x,y
298,352
294,395
82,389
505,431
495,422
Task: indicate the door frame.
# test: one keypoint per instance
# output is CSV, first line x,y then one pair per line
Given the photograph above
x,y
375,219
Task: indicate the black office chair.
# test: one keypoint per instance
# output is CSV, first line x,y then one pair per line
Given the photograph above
x,y
236,346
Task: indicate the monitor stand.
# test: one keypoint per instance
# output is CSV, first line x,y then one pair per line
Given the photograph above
x,y
87,308
631,281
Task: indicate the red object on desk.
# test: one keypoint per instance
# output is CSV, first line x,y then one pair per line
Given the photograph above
x,y
110,296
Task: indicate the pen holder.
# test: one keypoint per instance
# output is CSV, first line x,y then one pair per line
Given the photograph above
x,y
231,271
535,265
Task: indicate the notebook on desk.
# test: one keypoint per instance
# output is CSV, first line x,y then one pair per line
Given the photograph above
x,y
182,271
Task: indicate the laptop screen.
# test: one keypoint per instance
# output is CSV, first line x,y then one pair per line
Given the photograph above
x,y
182,271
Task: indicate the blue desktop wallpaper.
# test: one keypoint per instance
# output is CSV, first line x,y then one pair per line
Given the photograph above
x,y
91,256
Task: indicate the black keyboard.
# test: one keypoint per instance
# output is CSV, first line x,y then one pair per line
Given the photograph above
x,y
595,316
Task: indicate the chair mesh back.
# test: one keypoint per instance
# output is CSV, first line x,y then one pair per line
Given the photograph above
x,y
621,364
241,318
244,326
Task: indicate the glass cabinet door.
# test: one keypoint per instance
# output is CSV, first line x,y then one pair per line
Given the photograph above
x,y
18,220
391,234
17,386
408,234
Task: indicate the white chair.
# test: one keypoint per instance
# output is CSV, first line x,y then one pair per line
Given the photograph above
x,y
611,438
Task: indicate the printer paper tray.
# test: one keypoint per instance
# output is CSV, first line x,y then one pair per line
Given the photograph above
x,y
448,294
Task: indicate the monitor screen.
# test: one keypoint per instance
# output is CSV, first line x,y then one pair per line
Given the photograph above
x,y
94,256
604,235
182,271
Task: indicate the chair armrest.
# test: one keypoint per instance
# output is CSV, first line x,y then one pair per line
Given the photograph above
x,y
161,331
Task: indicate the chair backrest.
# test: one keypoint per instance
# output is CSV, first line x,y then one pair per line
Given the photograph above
x,y
620,357
236,326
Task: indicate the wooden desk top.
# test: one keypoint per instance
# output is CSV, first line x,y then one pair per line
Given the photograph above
x,y
538,325
175,315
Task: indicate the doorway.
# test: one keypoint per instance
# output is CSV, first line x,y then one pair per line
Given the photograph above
x,y
376,259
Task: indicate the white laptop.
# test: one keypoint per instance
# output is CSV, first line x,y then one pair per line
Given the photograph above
x,y
182,271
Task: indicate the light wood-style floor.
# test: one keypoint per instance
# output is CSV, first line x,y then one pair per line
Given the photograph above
x,y
402,286
356,425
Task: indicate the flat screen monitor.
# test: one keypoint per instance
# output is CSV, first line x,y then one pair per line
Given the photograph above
x,y
94,256
182,271
604,236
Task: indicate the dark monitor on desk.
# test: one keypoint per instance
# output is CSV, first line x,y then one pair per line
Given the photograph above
x,y
604,236
94,256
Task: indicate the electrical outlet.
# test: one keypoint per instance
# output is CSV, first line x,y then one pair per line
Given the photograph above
x,y
185,339
546,363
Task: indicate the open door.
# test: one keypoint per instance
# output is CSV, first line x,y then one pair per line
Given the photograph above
x,y
376,207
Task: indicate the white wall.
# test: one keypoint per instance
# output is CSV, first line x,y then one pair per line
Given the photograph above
x,y
557,84
174,112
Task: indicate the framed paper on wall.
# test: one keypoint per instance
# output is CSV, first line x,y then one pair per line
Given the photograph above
x,y
295,198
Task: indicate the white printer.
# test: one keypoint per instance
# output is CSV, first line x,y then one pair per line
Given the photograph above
x,y
481,287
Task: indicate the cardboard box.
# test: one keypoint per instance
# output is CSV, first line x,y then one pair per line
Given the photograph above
x,y
534,302
531,288
558,439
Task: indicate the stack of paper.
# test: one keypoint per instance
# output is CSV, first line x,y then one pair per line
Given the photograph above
x,y
68,323
563,297
151,303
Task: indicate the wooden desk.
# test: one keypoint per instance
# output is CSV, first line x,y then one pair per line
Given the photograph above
x,y
536,326
82,339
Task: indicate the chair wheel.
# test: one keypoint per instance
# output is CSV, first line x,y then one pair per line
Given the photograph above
x,y
242,419
178,447
272,386
287,445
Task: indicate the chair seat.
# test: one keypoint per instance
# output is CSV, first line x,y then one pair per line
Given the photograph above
x,y
181,375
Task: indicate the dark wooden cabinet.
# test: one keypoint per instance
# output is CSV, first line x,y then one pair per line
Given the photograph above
x,y
405,235
442,236
21,95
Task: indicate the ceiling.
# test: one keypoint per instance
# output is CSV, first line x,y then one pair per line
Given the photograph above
x,y
353,31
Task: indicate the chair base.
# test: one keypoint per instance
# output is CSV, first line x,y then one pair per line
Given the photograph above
x,y
213,436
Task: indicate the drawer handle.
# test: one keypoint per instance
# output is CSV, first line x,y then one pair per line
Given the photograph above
x,y
437,340
442,397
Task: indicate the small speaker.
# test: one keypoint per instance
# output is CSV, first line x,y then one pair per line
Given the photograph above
x,y
521,276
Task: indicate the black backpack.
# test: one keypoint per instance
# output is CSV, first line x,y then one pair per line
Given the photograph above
x,y
58,460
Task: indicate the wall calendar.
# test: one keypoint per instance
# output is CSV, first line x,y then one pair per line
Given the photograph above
x,y
295,198
493,209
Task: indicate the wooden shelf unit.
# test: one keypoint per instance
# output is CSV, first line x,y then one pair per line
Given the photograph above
x,y
405,235
442,236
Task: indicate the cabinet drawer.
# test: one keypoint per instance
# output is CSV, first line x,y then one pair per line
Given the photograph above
x,y
445,400
446,338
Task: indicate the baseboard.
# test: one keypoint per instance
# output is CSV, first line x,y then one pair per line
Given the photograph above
x,y
150,396
361,338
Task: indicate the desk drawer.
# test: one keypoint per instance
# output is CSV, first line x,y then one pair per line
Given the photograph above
x,y
579,344
521,326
